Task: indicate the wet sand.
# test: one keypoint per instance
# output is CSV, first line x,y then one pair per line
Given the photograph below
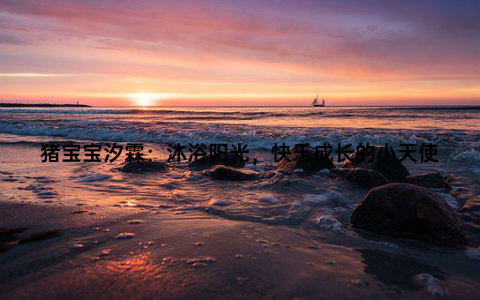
x,y
195,255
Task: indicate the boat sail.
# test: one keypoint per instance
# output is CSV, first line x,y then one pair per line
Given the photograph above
x,y
316,104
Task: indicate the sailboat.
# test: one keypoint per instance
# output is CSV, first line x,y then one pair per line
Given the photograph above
x,y
316,104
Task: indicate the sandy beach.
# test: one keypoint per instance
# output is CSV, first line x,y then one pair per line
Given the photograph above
x,y
195,255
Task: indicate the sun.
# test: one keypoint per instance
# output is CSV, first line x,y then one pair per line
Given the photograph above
x,y
144,99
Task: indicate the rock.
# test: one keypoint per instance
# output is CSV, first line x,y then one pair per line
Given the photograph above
x,y
144,167
229,173
407,210
391,168
363,177
306,165
429,180
231,161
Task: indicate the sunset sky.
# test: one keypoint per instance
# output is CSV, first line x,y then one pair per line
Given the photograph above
x,y
240,52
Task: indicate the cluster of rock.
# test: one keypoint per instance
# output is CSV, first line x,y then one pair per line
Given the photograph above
x,y
403,205
398,204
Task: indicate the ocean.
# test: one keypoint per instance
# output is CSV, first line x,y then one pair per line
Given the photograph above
x,y
316,207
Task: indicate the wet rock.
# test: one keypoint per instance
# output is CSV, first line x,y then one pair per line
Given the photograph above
x,y
391,167
429,180
308,166
407,210
39,236
210,161
363,177
144,167
229,173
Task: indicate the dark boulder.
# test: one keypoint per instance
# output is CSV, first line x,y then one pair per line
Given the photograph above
x,y
232,174
363,177
309,166
144,167
211,161
387,165
429,180
407,210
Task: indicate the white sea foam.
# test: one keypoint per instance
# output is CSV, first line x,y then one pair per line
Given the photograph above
x,y
167,126
432,285
471,154
328,223
94,177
